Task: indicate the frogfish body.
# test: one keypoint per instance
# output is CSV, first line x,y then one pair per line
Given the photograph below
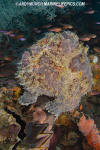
x,y
56,66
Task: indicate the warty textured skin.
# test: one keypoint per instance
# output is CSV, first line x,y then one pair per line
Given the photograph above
x,y
56,66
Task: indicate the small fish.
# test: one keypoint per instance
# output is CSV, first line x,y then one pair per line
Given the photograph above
x,y
90,12
67,26
22,39
85,39
19,36
97,22
93,36
9,58
97,49
8,33
11,35
55,29
60,6
47,26
2,31
36,30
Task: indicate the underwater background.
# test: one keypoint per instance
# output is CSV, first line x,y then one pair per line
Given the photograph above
x,y
26,124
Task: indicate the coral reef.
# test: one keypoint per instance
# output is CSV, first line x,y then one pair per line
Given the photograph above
x,y
13,14
56,66
9,130
88,128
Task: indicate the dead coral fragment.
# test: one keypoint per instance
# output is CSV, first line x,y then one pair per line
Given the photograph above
x,y
48,70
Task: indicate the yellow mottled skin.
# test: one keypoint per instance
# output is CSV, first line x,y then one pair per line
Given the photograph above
x,y
49,72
